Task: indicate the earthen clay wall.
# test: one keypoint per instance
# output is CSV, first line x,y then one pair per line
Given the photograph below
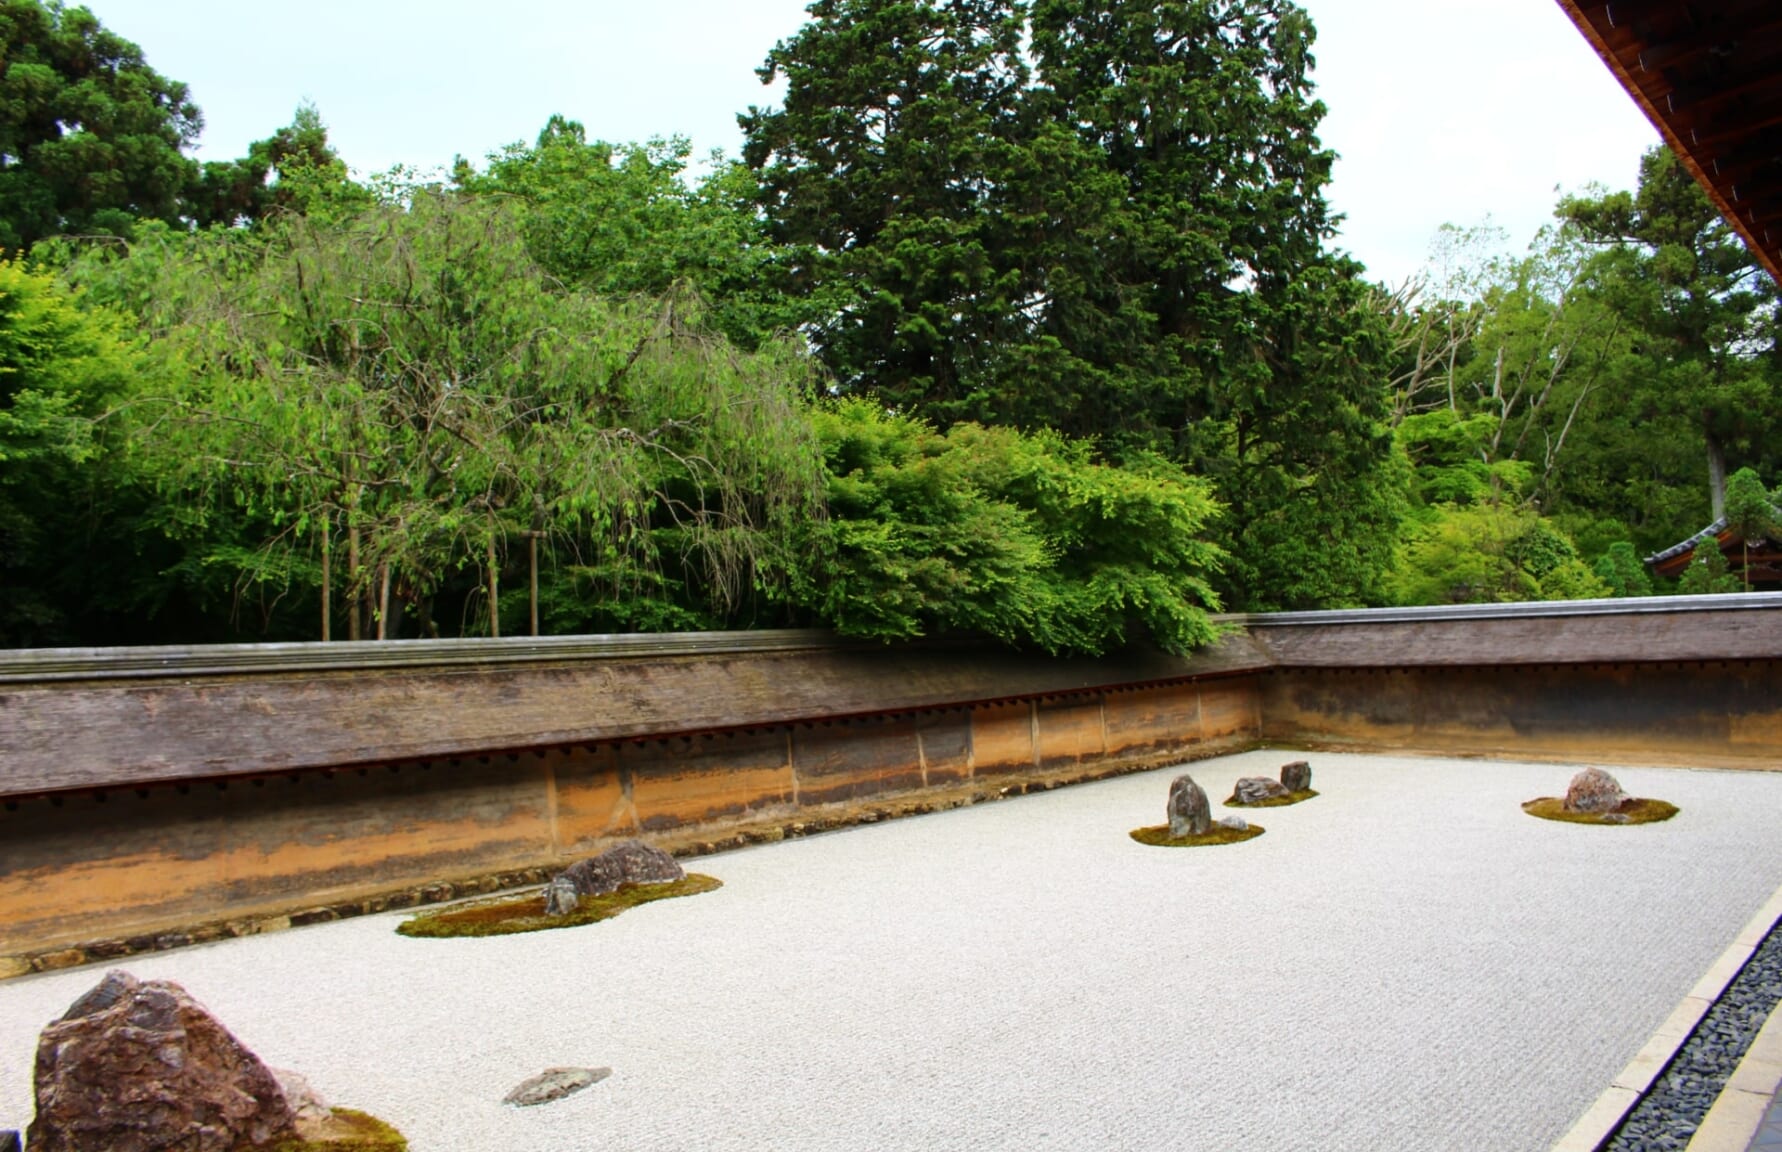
x,y
160,796
117,867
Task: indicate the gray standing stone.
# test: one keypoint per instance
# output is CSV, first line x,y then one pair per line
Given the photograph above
x,y
561,898
1297,776
1252,789
1189,812
632,862
554,1084
1593,790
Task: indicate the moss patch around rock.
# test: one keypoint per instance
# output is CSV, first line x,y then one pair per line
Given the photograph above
x,y
348,1130
1277,801
1631,812
1158,836
527,914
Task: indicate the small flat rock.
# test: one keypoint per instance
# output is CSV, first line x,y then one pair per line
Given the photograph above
x,y
306,1103
554,1084
1252,789
1235,823
561,897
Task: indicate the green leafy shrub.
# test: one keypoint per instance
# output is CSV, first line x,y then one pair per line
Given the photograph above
x,y
1491,553
1707,574
1621,570
1019,537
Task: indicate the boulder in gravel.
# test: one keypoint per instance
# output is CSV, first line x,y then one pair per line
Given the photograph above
x,y
1234,823
1189,812
140,1066
1297,776
9,1140
632,862
1252,789
554,1084
561,897
1593,790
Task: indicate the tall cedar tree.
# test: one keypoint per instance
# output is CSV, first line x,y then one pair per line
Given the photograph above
x,y
1126,245
287,171
1704,312
885,173
90,135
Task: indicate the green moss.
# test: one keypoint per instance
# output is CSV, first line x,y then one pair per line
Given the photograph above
x,y
1158,836
348,1130
527,914
1634,811
1276,801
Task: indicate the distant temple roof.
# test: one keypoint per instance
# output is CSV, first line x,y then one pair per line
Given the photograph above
x,y
1687,547
1709,76
1765,555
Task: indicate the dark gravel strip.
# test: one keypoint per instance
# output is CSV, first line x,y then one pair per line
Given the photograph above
x,y
1668,1115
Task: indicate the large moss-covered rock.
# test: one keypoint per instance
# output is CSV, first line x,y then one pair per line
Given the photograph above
x,y
632,862
142,1067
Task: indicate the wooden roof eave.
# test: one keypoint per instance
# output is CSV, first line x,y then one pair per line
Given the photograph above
x,y
1763,236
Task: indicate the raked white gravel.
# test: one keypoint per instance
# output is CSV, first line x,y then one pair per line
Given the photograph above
x,y
1406,962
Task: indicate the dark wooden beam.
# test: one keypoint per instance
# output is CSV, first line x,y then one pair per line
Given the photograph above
x,y
1725,96
1721,37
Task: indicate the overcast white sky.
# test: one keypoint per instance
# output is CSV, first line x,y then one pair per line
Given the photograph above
x,y
1442,110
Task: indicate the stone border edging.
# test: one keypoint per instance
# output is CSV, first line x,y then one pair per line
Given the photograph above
x,y
1739,1110
1598,1124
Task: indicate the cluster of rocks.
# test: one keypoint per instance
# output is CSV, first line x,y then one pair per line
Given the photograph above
x,y
632,862
1668,1115
140,1066
1295,777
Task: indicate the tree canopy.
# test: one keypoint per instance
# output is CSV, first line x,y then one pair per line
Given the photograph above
x,y
1102,219
91,137
1016,319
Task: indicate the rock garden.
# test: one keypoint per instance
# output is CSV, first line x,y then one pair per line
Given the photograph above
x,y
597,888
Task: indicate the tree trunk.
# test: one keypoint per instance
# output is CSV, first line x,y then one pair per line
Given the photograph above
x,y
532,559
1716,475
383,600
327,590
494,593
355,598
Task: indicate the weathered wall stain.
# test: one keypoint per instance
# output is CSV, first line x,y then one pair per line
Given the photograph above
x,y
77,868
1698,714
